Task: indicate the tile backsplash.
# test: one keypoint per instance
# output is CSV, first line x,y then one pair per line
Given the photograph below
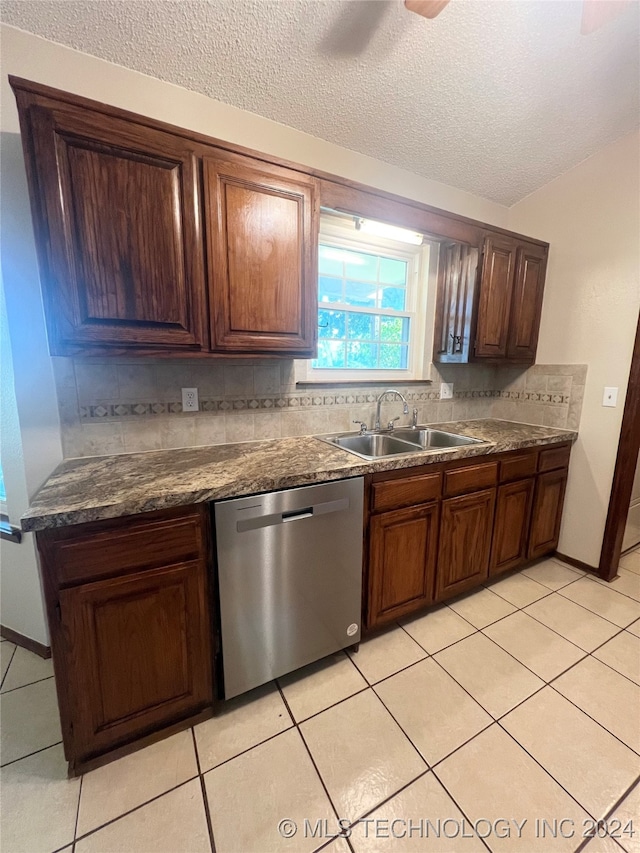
x,y
121,405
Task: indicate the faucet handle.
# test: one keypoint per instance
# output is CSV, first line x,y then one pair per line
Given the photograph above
x,y
414,418
391,423
362,425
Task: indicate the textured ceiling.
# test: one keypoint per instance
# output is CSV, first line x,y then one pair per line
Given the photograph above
x,y
496,98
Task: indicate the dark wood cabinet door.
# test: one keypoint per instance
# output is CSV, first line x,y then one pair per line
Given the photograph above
x,y
137,654
457,272
511,525
117,213
494,306
547,513
402,559
262,227
526,303
465,542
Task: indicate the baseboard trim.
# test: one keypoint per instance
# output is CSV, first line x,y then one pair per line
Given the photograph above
x,y
577,563
26,642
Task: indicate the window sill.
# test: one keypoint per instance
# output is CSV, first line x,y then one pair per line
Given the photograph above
x,y
355,383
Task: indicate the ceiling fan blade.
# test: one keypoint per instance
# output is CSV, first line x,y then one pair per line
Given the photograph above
x,y
597,13
426,8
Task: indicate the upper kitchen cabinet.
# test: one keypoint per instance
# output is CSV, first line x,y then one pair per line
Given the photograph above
x,y
492,314
526,302
156,240
457,275
496,286
116,214
510,303
262,229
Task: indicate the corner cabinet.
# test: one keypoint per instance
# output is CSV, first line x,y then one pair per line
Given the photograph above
x,y
129,606
262,228
116,213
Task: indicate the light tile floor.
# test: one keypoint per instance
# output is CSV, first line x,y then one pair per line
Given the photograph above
x,y
517,703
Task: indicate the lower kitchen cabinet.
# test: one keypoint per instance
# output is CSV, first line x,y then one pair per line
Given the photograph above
x,y
465,542
131,627
443,529
547,513
402,555
137,653
511,525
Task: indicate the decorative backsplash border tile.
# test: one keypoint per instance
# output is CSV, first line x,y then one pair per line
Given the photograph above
x,y
104,411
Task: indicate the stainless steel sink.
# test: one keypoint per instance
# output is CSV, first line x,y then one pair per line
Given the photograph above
x,y
428,438
374,445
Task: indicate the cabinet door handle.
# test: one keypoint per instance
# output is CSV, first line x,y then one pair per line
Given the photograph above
x,y
457,342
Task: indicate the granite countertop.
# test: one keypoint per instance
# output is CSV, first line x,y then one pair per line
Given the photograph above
x,y
99,487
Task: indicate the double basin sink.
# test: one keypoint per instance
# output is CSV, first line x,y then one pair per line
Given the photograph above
x,y
380,443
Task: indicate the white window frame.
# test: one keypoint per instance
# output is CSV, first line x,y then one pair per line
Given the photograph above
x,y
422,265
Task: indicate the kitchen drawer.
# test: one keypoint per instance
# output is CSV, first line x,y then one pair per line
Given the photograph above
x,y
408,491
554,457
518,467
470,478
115,547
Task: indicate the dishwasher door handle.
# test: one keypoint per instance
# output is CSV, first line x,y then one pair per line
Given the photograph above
x,y
272,519
295,514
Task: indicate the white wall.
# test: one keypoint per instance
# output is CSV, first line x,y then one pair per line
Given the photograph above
x,y
591,217
21,597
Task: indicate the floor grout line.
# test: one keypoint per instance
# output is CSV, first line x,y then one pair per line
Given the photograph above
x,y
6,672
448,646
599,614
28,684
609,584
587,714
548,772
203,789
248,749
29,754
334,705
135,809
458,806
307,748
75,825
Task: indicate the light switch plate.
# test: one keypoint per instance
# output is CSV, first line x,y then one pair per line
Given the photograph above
x,y
610,397
190,400
446,390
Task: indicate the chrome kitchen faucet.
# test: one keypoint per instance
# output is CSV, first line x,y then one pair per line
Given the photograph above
x,y
405,408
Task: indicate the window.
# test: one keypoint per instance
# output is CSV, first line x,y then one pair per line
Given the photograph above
x,y
372,299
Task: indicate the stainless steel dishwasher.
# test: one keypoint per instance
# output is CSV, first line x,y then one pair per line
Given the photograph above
x,y
290,579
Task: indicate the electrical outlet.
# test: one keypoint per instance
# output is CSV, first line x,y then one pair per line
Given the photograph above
x,y
446,390
610,397
190,400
